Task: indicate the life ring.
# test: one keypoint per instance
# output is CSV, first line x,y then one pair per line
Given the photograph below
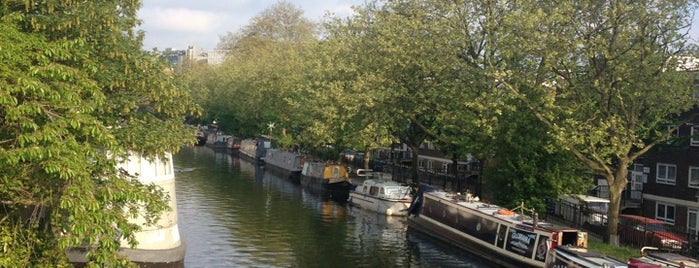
x,y
506,212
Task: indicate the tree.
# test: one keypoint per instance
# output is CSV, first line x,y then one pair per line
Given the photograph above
x,y
602,76
395,59
78,94
262,73
528,165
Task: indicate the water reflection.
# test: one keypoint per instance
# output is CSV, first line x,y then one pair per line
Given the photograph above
x,y
234,214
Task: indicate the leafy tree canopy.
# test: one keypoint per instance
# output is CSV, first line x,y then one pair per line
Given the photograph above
x,y
78,93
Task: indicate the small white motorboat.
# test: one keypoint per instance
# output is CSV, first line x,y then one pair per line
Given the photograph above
x,y
379,193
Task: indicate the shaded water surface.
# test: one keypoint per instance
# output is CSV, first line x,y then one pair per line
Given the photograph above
x,y
234,214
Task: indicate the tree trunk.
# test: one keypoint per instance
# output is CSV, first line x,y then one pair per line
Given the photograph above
x,y
413,167
617,183
367,157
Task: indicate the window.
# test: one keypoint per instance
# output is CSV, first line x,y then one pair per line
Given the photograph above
x,y
666,174
665,212
694,141
694,177
692,214
673,135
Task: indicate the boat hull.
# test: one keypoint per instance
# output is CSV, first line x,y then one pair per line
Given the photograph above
x,y
381,206
338,191
285,164
292,175
330,180
254,149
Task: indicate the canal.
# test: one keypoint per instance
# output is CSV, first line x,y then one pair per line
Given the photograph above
x,y
232,213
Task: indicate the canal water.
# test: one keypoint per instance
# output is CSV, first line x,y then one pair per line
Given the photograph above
x,y
232,213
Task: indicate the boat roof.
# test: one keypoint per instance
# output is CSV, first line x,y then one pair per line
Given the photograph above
x,y
383,183
671,258
495,211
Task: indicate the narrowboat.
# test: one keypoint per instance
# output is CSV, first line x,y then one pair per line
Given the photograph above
x,y
381,194
507,237
652,257
221,141
568,256
286,163
254,149
328,179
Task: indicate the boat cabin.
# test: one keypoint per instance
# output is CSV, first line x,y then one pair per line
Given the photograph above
x,y
384,189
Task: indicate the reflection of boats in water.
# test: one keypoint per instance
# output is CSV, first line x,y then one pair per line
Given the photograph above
x,y
380,194
328,210
286,187
376,229
256,171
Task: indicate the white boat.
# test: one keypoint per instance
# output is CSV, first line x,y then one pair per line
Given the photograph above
x,y
379,193
504,236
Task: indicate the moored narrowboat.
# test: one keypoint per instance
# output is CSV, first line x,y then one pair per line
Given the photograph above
x,y
506,237
254,149
328,179
286,163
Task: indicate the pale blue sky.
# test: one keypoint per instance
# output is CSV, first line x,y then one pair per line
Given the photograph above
x,y
179,23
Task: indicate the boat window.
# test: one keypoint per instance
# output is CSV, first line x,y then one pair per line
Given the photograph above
x,y
336,172
602,207
374,190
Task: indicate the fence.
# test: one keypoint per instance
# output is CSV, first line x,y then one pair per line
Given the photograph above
x,y
466,178
576,215
631,233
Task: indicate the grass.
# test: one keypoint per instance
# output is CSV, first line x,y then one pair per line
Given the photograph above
x,y
620,253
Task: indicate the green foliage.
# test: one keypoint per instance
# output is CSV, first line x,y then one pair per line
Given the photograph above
x,y
529,166
602,79
597,74
78,93
260,77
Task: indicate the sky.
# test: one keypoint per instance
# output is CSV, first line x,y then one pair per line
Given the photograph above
x,y
177,24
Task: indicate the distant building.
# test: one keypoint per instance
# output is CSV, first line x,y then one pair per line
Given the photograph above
x,y
194,54
213,57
